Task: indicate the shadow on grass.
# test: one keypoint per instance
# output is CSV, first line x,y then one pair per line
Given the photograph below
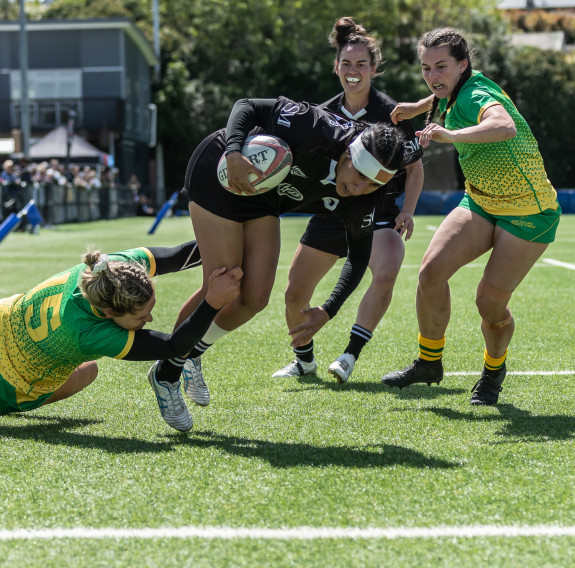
x,y
422,391
517,423
56,431
284,454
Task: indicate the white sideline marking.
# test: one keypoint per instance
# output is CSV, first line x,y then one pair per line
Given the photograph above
x,y
431,228
524,373
559,263
296,533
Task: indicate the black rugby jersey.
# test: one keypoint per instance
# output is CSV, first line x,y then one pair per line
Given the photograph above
x,y
317,138
379,109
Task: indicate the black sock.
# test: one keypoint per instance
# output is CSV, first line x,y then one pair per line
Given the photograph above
x,y
358,338
199,350
169,370
305,352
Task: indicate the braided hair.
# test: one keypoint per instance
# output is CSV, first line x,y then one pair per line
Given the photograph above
x,y
386,143
121,286
458,49
345,32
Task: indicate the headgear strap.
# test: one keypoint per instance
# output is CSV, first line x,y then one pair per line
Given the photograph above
x,y
365,162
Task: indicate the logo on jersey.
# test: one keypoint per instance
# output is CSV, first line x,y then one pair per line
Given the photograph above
x,y
288,190
296,171
367,220
330,203
287,111
411,146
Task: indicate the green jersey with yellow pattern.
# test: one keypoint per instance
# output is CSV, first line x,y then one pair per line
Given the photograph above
x,y
504,178
50,330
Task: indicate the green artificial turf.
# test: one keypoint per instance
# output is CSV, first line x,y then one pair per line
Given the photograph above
x,y
307,452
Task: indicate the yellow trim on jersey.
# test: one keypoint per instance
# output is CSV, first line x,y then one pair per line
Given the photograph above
x,y
151,259
485,107
128,346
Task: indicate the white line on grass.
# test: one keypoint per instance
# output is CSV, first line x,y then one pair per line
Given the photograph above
x,y
559,263
524,373
296,533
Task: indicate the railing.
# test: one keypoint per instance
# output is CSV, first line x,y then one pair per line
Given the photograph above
x,y
68,203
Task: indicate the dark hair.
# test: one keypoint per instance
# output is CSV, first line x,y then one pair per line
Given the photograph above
x,y
458,49
386,143
345,32
121,286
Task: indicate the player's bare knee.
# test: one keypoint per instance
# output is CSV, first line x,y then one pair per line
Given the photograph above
x,y
384,279
256,302
294,297
430,276
489,298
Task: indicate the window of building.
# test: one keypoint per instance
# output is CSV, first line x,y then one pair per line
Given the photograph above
x,y
48,84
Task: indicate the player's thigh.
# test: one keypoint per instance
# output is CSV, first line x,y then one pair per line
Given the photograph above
x,y
387,252
462,237
309,265
511,259
78,380
220,240
262,243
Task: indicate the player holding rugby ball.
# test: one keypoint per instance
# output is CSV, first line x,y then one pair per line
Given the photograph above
x,y
337,169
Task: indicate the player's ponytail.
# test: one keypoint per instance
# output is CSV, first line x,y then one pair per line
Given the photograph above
x,y
121,286
345,31
458,49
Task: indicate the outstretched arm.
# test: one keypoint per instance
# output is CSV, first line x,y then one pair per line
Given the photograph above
x,y
150,345
405,111
359,251
174,259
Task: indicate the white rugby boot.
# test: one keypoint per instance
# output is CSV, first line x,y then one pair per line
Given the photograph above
x,y
342,367
194,384
296,368
171,402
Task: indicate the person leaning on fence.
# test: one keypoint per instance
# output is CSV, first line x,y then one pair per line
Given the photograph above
x,y
52,335
510,208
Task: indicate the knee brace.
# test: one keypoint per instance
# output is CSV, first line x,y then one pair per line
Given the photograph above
x,y
493,293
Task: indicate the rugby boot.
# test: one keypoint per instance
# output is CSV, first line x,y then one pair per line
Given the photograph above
x,y
419,371
486,390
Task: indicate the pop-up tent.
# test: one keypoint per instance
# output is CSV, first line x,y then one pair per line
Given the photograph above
x,y
55,145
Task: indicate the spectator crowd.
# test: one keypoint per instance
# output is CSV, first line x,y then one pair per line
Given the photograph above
x,y
53,184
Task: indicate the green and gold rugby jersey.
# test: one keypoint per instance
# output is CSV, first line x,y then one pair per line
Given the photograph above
x,y
504,178
50,330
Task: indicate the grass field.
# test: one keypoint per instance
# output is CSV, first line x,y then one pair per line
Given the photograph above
x,y
301,472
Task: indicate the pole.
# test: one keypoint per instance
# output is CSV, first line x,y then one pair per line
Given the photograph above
x,y
70,136
24,105
156,19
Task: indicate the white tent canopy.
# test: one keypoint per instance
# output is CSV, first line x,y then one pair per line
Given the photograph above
x,y
55,145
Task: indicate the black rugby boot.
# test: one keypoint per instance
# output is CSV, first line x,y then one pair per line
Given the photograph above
x,y
487,388
419,371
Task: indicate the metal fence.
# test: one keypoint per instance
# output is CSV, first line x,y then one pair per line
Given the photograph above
x,y
69,203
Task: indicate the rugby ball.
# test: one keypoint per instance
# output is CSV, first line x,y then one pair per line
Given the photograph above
x,y
269,154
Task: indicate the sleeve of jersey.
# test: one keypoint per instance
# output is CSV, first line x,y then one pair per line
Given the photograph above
x,y
359,251
473,106
301,125
175,259
152,345
413,151
141,255
245,115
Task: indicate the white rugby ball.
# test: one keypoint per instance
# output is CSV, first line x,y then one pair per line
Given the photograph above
x,y
269,154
